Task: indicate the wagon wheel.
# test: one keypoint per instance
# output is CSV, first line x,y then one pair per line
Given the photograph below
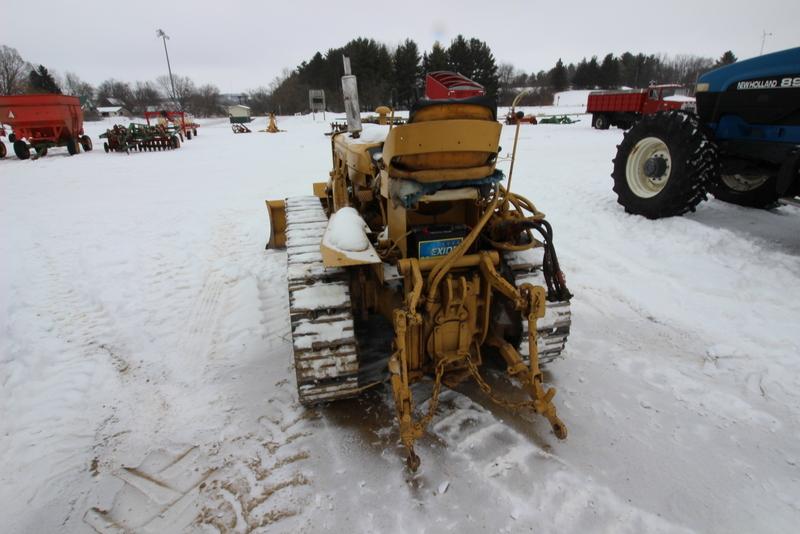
x,y
105,147
3,151
21,149
86,143
188,135
41,151
175,142
73,147
194,132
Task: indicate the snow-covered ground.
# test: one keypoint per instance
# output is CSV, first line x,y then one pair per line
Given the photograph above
x,y
145,360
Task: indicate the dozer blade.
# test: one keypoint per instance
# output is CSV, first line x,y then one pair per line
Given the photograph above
x,y
277,223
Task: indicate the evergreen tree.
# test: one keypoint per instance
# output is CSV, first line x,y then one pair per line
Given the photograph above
x,y
609,72
459,57
372,63
726,59
582,78
41,81
436,60
627,69
557,77
484,67
407,73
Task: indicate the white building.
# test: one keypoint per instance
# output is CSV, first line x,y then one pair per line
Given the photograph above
x,y
113,111
239,113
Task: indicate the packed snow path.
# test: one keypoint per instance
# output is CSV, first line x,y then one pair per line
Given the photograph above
x,y
146,380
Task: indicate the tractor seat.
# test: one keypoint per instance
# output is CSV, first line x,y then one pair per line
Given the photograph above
x,y
445,140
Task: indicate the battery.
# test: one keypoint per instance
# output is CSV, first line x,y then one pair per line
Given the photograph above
x,y
435,240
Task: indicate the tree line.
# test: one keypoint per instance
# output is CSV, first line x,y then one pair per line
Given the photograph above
x,y
396,77
17,76
626,70
385,76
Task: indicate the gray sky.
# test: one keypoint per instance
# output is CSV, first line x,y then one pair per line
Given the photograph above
x,y
241,44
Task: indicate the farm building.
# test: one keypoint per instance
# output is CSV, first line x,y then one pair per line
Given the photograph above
x,y
239,113
113,111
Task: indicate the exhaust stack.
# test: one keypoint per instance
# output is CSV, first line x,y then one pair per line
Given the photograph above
x,y
350,94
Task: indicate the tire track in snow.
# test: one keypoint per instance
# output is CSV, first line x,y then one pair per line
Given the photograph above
x,y
72,401
246,481
235,485
532,486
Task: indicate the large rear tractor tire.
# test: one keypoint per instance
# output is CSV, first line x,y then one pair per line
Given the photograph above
x,y
749,191
664,165
22,150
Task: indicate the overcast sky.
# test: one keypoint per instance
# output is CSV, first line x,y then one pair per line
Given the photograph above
x,y
242,44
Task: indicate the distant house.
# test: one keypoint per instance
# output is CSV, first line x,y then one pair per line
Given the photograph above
x,y
239,113
111,101
113,111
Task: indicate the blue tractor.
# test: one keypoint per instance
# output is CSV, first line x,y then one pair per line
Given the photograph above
x,y
742,144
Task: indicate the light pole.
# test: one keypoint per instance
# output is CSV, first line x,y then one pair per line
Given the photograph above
x,y
164,37
764,36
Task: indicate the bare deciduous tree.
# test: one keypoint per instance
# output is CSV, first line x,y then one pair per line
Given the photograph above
x,y
145,94
73,85
184,89
115,89
204,101
13,71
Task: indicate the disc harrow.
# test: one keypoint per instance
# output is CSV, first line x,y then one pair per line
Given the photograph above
x,y
139,137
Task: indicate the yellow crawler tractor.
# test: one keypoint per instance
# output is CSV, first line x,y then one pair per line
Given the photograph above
x,y
415,262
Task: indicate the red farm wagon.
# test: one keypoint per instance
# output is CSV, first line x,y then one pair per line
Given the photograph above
x,y
43,121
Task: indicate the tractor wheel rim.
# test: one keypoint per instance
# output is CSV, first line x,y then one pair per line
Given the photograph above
x,y
639,182
742,183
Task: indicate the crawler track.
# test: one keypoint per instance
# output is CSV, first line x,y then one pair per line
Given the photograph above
x,y
325,350
553,328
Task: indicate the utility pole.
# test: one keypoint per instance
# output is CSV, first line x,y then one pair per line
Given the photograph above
x,y
764,36
164,37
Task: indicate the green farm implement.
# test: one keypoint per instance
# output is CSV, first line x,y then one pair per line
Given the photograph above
x,y
558,119
139,137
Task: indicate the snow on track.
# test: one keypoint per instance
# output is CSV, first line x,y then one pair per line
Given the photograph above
x,y
146,380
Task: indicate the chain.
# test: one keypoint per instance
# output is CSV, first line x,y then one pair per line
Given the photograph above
x,y
487,389
437,387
